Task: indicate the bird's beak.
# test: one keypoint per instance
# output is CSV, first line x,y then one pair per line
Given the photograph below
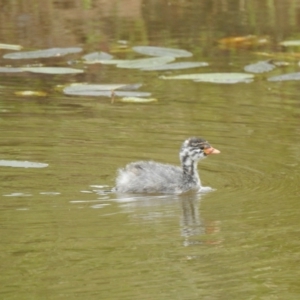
x,y
211,150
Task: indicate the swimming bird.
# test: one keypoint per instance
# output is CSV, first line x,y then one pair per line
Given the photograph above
x,y
155,177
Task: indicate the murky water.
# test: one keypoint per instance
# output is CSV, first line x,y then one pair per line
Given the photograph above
x,y
64,235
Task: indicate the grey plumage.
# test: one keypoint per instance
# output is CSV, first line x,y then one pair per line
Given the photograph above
x,y
154,177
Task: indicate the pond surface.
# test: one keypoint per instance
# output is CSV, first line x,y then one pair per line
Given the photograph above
x,y
65,235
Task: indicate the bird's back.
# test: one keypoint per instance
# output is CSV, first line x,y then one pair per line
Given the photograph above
x,y
149,177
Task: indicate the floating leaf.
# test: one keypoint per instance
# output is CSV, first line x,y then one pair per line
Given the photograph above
x,y
10,70
176,66
259,67
106,90
294,43
53,52
95,93
281,55
52,70
215,77
281,63
285,77
31,93
111,61
130,87
74,89
145,62
242,42
94,87
132,94
10,47
137,100
95,57
21,164
161,51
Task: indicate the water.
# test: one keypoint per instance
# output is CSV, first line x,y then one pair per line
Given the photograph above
x,y
65,235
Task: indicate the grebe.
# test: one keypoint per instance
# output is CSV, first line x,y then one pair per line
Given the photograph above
x,y
154,177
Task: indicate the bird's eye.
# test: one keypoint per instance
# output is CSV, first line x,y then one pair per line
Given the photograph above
x,y
201,146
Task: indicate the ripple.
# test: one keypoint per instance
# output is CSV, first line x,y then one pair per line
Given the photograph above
x,y
18,195
96,206
99,186
83,201
50,193
278,178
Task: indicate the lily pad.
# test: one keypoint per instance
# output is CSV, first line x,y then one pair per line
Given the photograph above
x,y
10,47
293,43
52,70
10,70
111,61
95,57
215,77
107,93
31,93
53,52
130,87
260,67
281,63
93,87
137,100
243,42
22,164
145,62
161,51
132,94
105,90
285,77
77,88
176,66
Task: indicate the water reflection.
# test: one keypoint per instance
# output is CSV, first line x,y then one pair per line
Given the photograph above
x,y
64,237
156,208
191,223
94,23
193,227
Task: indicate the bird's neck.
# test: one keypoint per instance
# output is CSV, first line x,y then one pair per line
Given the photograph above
x,y
190,172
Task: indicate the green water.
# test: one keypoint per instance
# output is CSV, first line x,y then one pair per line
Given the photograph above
x,y
64,235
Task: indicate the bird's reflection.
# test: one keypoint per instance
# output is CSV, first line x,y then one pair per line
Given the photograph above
x,y
190,222
159,208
